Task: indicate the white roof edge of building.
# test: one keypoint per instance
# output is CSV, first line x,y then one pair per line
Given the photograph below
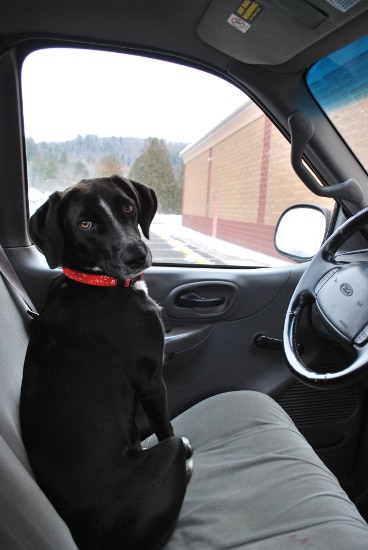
x,y
224,128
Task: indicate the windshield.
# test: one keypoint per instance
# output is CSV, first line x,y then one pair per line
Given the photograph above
x,y
339,82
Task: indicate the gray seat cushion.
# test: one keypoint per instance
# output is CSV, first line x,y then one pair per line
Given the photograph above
x,y
257,484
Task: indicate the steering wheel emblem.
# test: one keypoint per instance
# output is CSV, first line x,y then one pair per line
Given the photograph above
x,y
346,289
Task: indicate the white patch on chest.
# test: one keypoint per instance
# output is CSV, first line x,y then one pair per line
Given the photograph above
x,y
140,285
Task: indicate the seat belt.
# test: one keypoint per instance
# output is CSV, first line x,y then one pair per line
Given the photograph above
x,y
8,272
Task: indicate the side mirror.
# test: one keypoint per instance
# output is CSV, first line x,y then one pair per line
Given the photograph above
x,y
301,230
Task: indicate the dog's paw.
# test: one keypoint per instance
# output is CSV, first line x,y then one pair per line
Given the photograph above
x,y
188,447
189,457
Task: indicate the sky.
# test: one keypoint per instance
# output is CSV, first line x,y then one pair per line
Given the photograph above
x,y
67,93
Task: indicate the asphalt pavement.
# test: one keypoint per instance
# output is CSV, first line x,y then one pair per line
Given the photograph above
x,y
170,242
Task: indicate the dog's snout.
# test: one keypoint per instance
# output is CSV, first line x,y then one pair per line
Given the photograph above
x,y
135,257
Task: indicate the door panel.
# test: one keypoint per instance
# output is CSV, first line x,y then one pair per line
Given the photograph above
x,y
211,350
181,338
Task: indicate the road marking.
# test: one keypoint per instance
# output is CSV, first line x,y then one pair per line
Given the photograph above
x,y
191,256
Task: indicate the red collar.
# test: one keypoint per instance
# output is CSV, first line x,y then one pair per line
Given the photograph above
x,y
98,280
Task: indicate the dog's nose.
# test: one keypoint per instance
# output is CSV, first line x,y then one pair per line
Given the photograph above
x,y
135,257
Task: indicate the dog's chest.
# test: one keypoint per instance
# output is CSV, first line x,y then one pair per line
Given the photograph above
x,y
103,320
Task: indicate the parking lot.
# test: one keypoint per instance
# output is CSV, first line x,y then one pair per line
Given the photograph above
x,y
170,242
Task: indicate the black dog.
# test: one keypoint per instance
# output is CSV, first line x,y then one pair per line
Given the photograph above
x,y
95,350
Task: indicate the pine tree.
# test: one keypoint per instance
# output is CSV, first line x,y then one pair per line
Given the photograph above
x,y
153,167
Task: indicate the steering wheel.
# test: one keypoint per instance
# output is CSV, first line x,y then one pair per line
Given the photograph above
x,y
340,293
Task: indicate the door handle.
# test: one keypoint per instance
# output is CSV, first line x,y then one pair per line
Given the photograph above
x,y
191,299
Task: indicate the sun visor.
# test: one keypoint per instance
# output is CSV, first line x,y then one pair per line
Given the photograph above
x,y
271,32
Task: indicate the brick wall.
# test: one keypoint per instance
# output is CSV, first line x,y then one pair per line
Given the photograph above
x,y
238,180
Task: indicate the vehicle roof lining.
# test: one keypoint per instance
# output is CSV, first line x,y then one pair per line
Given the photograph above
x,y
245,30
191,31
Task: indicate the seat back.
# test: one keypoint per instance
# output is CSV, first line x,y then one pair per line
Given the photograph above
x,y
27,519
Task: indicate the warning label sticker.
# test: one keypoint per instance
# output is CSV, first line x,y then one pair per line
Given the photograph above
x,y
246,13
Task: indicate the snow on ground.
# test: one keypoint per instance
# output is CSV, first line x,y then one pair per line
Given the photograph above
x,y
204,249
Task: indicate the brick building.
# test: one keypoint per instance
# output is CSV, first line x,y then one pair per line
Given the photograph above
x,y
238,180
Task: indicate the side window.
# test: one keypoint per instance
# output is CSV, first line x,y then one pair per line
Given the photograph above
x,y
220,168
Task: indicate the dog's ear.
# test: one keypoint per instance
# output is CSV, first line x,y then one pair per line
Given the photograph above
x,y
45,231
147,199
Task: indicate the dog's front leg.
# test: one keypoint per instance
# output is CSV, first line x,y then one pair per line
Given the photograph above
x,y
155,406
154,403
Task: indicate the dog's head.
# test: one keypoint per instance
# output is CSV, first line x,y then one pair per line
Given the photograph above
x,y
93,226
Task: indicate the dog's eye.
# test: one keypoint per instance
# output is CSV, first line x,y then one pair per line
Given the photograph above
x,y
128,208
85,224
